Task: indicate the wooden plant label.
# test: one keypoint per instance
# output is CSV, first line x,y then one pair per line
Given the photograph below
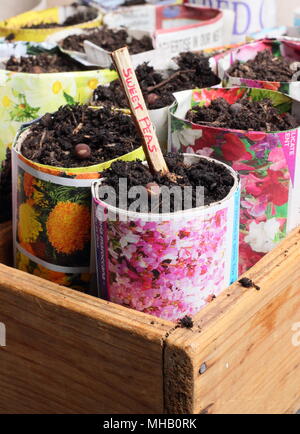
x,y
139,110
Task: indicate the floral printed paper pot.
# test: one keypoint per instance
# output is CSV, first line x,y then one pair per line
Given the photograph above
x,y
24,96
268,164
52,218
167,265
289,49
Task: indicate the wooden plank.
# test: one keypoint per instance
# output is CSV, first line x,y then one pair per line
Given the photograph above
x,y
244,341
68,352
6,243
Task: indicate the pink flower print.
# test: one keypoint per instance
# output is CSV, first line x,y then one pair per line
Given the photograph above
x,y
255,207
277,157
172,268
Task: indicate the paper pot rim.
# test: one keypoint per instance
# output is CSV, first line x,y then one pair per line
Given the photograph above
x,y
137,153
230,89
178,214
262,81
6,24
46,74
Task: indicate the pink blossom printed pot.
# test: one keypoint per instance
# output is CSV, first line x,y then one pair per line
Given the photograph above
x,y
168,265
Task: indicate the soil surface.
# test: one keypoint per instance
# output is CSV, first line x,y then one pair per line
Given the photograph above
x,y
265,67
194,72
78,18
244,115
108,39
43,63
133,3
5,189
102,134
216,179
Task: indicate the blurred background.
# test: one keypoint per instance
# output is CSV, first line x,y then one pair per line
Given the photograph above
x,y
13,7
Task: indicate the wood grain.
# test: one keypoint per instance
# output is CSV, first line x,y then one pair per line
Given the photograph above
x,y
6,243
68,352
244,339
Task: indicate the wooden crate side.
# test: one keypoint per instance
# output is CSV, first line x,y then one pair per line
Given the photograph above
x,y
6,243
240,356
67,352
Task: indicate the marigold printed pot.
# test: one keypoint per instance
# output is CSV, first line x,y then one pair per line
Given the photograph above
x,y
52,217
167,265
288,49
268,164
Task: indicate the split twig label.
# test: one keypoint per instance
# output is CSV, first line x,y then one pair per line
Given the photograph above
x,y
139,110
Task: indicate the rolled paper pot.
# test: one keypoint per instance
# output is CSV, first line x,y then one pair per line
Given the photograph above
x,y
268,164
160,120
16,24
25,96
52,217
289,49
168,265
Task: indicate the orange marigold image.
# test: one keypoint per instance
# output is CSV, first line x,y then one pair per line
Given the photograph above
x,y
68,227
28,184
53,276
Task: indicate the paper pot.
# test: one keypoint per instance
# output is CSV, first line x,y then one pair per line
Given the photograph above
x,y
53,15
268,164
24,97
289,49
250,15
176,28
52,217
96,55
168,265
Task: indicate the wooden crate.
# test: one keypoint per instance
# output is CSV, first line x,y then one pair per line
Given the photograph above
x,y
68,352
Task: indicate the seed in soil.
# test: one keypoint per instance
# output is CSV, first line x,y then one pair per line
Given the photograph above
x,y
245,115
215,179
265,67
153,189
108,39
193,72
44,62
82,151
54,140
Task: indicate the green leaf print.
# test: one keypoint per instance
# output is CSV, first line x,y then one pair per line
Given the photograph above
x,y
33,50
22,111
282,211
277,98
177,124
69,99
